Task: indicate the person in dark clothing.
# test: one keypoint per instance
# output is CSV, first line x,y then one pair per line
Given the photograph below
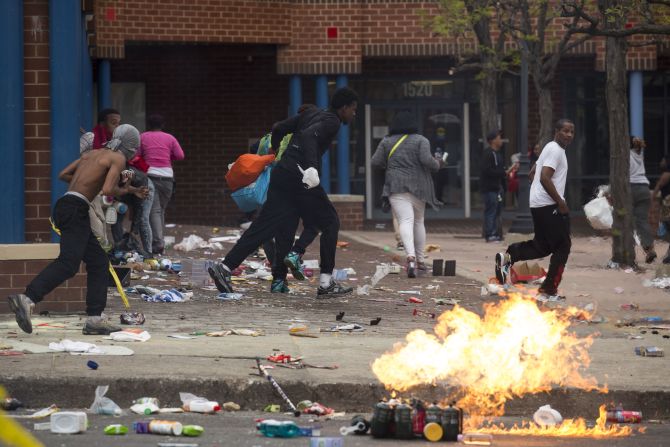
x,y
551,215
492,185
295,192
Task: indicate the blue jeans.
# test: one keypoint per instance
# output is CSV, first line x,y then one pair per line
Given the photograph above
x,y
142,218
492,210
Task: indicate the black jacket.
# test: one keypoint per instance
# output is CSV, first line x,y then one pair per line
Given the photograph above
x,y
313,132
492,177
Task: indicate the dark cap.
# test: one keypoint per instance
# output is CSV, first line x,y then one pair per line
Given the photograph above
x,y
493,134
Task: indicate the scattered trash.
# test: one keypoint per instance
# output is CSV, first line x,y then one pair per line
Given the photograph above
x,y
363,290
159,427
318,409
546,416
446,301
278,429
231,406
623,416
91,364
353,327
272,408
69,422
168,296
192,430
276,386
475,438
416,312
431,247
380,272
194,241
130,335
229,296
116,429
10,404
339,316
630,306
326,442
649,351
358,426
39,414
652,319
75,346
145,408
376,321
618,290
196,404
133,318
409,292
414,300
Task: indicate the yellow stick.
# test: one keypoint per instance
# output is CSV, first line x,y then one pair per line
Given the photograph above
x,y
12,434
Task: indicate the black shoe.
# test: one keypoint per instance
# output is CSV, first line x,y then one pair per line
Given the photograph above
x,y
411,268
332,290
22,306
100,327
221,278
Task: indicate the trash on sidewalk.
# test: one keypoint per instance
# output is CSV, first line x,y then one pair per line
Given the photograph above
x,y
231,406
159,427
217,333
416,312
409,292
546,416
446,301
431,247
69,422
145,408
229,296
195,404
194,241
102,404
133,318
317,409
414,300
630,306
353,327
168,296
376,321
278,429
358,426
300,330
230,239
524,272
130,335
193,430
10,404
75,346
91,364
620,415
649,351
326,442
39,414
272,408
618,290
115,429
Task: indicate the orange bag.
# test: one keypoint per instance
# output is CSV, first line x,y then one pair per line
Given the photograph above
x,y
246,170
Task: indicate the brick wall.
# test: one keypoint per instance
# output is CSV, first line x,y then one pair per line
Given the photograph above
x,y
350,211
37,128
16,274
214,98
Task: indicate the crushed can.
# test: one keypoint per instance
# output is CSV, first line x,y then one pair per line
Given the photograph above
x,y
380,425
624,416
452,423
403,422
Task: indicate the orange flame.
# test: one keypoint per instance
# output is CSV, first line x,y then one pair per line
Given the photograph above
x,y
513,350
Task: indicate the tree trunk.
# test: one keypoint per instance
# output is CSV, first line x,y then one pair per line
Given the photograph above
x,y
623,244
546,109
488,103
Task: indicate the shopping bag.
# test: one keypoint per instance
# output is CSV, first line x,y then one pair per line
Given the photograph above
x,y
253,196
246,170
599,213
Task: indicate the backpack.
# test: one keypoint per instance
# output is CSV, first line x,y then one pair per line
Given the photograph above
x,y
246,170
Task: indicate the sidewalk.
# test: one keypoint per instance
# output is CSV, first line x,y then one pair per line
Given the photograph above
x,y
208,366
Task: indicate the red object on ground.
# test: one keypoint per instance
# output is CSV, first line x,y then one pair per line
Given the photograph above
x,y
415,300
318,410
280,358
421,312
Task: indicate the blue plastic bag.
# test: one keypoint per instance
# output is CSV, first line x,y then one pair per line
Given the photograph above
x,y
253,196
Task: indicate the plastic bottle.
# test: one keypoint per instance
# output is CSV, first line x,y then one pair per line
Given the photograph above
x,y
146,408
121,208
475,438
278,429
381,419
192,430
403,422
165,427
202,406
68,422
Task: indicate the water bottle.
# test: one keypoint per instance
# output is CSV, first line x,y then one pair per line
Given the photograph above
x,y
202,406
451,423
278,429
403,422
381,419
121,208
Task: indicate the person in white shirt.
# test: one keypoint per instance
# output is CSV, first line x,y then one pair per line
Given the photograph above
x,y
641,198
550,213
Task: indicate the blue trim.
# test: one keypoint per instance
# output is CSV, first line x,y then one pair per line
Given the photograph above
x,y
65,68
636,98
343,183
322,103
294,94
104,84
12,181
86,80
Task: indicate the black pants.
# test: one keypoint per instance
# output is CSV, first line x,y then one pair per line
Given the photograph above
x,y
552,236
77,243
288,201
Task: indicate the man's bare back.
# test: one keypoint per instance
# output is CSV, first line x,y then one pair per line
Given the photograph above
x,y
95,171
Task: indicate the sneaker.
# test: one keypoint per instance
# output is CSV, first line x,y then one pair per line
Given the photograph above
x,y
494,239
650,256
99,327
22,306
221,278
294,262
279,286
411,268
332,290
400,246
503,264
549,298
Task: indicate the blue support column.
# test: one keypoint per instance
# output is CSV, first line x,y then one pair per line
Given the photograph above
x,y
65,71
294,94
635,98
12,182
343,186
104,84
322,103
86,81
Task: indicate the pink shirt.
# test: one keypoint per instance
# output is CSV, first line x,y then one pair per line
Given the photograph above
x,y
159,149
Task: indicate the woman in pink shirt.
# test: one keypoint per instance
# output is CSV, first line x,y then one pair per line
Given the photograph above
x,y
159,149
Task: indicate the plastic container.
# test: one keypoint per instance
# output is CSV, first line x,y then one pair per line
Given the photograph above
x,y
159,427
192,430
476,439
116,429
146,408
202,406
278,429
68,422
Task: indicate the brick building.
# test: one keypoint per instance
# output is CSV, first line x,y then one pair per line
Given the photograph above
x,y
222,71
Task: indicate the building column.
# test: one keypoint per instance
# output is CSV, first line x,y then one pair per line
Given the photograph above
x,y
12,181
104,84
294,94
322,103
343,186
65,71
86,80
636,98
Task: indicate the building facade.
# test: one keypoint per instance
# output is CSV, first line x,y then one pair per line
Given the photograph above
x,y
223,71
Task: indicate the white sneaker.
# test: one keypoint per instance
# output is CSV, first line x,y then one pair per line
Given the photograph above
x,y
503,264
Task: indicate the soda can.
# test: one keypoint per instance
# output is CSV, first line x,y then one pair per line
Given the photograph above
x,y
623,416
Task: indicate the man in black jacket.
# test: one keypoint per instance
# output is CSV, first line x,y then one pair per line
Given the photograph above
x,y
492,185
295,192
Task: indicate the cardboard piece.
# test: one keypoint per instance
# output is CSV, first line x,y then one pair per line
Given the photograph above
x,y
523,272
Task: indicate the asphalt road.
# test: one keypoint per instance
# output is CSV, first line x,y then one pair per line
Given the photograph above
x,y
238,429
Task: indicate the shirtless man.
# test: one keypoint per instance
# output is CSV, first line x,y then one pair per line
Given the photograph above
x,y
87,176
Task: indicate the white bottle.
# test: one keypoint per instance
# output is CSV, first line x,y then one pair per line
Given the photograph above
x,y
202,406
68,422
145,408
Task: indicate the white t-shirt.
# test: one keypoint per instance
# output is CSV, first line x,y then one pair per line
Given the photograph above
x,y
637,171
552,156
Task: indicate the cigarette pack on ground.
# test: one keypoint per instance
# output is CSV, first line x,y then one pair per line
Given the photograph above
x,y
523,272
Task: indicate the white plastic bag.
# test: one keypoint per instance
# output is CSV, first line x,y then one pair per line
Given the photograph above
x,y
102,404
599,213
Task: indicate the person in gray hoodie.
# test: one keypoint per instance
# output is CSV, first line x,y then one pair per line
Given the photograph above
x,y
406,157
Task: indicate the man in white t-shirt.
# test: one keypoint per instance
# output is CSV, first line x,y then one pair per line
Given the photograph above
x,y
550,213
